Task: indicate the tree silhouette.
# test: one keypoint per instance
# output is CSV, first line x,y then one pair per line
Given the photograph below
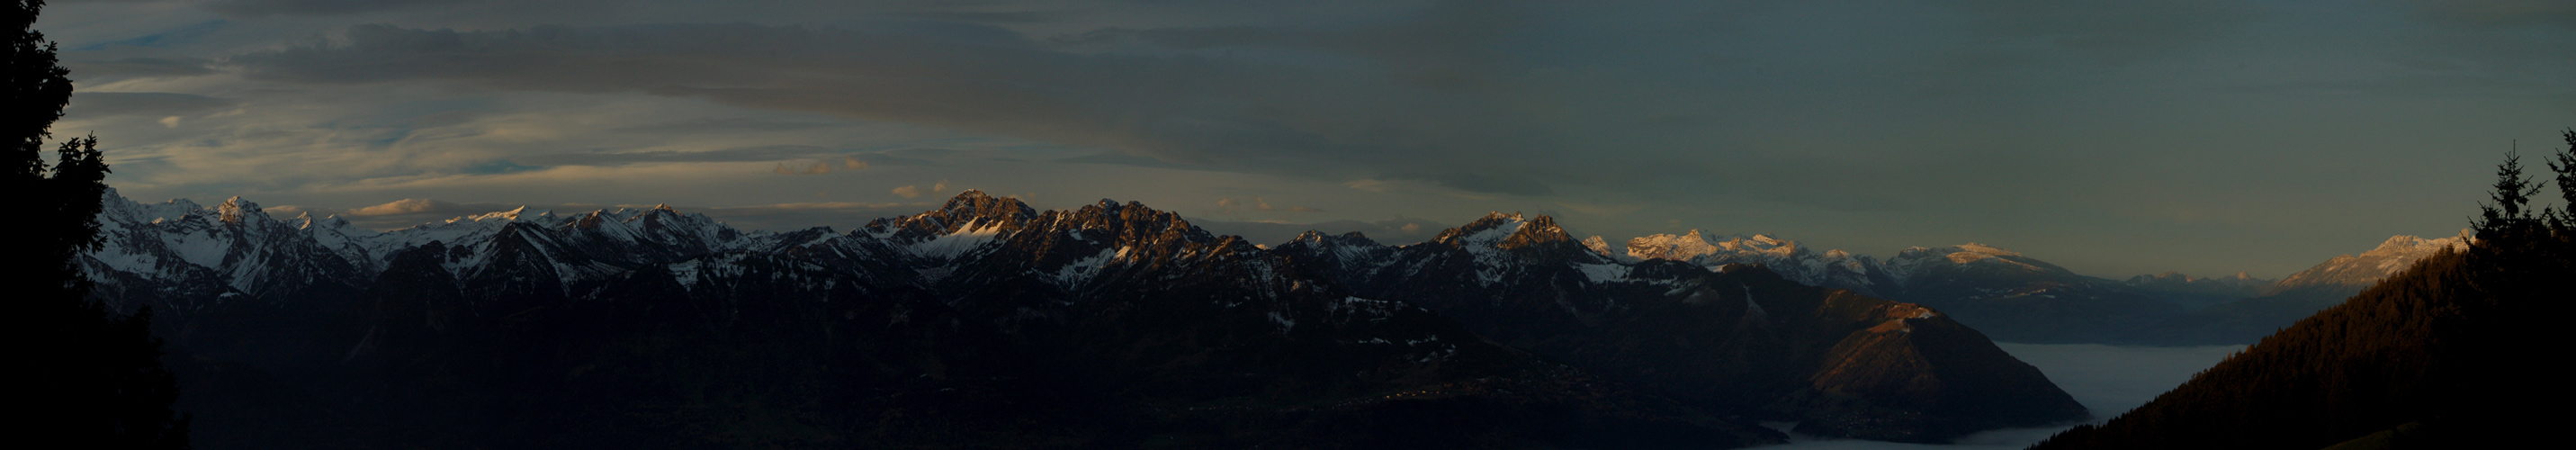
x,y
2564,162
2510,216
98,376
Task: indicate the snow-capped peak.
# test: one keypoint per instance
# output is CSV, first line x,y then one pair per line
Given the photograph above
x,y
2397,246
1788,258
2391,256
513,215
1918,259
1484,232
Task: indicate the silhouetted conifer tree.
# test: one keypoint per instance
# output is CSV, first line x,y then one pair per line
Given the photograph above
x,y
2564,162
98,380
2510,216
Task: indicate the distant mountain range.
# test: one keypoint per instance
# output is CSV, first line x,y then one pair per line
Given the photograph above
x,y
2014,297
2302,294
988,323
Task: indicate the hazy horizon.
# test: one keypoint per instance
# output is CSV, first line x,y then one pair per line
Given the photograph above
x,y
2205,137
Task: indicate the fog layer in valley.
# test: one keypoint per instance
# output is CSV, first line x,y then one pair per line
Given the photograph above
x,y
2106,379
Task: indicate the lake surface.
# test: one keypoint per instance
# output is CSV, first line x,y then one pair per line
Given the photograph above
x,y
2107,379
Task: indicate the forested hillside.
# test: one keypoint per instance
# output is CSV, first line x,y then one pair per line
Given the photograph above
x,y
2450,350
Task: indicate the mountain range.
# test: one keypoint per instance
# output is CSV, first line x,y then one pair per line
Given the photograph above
x,y
1802,337
988,323
2002,293
2014,297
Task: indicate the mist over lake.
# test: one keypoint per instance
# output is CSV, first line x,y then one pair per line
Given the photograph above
x,y
2107,379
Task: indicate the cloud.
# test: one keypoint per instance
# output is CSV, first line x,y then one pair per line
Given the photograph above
x,y
1435,47
941,186
1599,209
2106,31
2498,13
148,67
737,154
415,206
1478,182
798,216
108,104
264,8
908,191
1232,207
730,125
1190,111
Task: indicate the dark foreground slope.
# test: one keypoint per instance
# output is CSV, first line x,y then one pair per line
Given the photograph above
x,y
2455,350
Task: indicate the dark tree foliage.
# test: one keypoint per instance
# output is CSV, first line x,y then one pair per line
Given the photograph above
x,y
2564,162
2447,354
98,376
2511,216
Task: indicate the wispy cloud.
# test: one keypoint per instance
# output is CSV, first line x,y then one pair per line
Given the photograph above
x,y
738,154
110,104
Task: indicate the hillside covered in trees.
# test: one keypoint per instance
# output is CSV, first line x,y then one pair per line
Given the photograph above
x,y
2447,354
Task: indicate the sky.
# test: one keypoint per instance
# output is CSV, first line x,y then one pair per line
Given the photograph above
x,y
2113,138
